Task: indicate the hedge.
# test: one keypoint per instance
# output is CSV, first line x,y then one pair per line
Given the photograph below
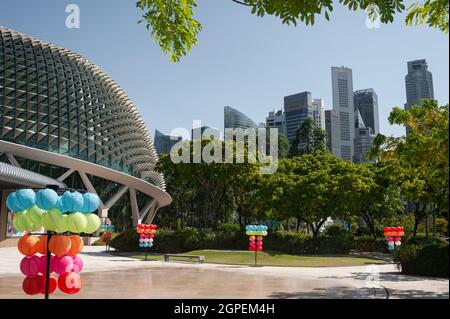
x,y
430,260
171,241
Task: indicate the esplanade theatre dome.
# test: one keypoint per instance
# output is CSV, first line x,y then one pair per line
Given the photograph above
x,y
59,109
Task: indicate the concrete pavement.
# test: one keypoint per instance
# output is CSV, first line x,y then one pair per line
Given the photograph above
x,y
108,276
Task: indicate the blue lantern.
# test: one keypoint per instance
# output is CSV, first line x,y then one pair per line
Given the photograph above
x,y
47,199
25,199
11,203
90,203
71,202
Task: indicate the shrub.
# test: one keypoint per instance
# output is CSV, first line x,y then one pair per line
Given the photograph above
x,y
431,260
177,241
367,243
229,228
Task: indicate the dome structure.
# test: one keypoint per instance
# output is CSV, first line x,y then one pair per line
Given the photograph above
x,y
57,105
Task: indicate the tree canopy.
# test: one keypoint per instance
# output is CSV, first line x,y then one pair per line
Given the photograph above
x,y
174,28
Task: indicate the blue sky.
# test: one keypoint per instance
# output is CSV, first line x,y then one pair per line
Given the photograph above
x,y
243,61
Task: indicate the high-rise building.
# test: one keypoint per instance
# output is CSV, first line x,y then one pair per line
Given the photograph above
x,y
342,83
332,130
277,119
363,143
297,109
419,83
318,106
164,143
198,132
366,102
235,119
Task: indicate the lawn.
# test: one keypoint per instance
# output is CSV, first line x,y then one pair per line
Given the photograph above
x,y
269,258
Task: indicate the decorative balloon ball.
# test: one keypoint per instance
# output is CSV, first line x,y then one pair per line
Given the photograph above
x,y
141,245
19,221
35,214
70,283
43,264
54,220
72,202
76,245
91,202
52,285
60,245
252,238
259,248
391,243
259,243
398,243
76,222
30,266
24,199
47,199
28,244
77,264
391,248
42,247
32,285
11,202
93,223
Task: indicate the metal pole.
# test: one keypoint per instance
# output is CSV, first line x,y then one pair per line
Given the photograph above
x,y
256,254
47,271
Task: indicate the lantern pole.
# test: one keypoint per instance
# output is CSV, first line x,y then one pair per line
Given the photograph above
x,y
47,271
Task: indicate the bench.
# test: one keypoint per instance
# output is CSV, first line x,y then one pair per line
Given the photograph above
x,y
201,259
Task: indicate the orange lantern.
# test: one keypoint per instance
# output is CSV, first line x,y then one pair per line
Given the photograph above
x,y
42,247
60,245
28,245
76,245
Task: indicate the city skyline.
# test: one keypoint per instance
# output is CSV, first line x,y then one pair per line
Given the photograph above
x,y
257,68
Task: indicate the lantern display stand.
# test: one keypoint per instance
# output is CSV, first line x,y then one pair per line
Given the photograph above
x,y
108,233
146,235
45,200
256,233
394,237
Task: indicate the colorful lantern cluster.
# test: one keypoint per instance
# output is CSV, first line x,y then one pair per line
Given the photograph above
x,y
256,233
106,235
394,236
71,212
146,235
64,261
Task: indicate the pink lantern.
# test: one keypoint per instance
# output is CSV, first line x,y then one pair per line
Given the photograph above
x,y
29,266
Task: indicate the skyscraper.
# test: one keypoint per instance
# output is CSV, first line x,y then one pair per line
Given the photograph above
x,y
332,130
297,108
419,83
277,119
366,102
235,119
342,83
164,143
318,106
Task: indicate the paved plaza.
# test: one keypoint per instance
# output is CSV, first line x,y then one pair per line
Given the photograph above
x,y
108,276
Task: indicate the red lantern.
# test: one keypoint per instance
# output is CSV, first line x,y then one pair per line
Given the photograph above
x,y
70,283
52,284
32,285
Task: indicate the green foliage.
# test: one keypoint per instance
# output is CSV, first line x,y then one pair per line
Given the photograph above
x,y
172,25
309,138
368,243
431,12
175,30
228,228
422,158
170,241
431,260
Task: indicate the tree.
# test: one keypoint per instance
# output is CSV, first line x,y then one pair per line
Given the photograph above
x,y
309,138
310,188
376,193
423,157
175,30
